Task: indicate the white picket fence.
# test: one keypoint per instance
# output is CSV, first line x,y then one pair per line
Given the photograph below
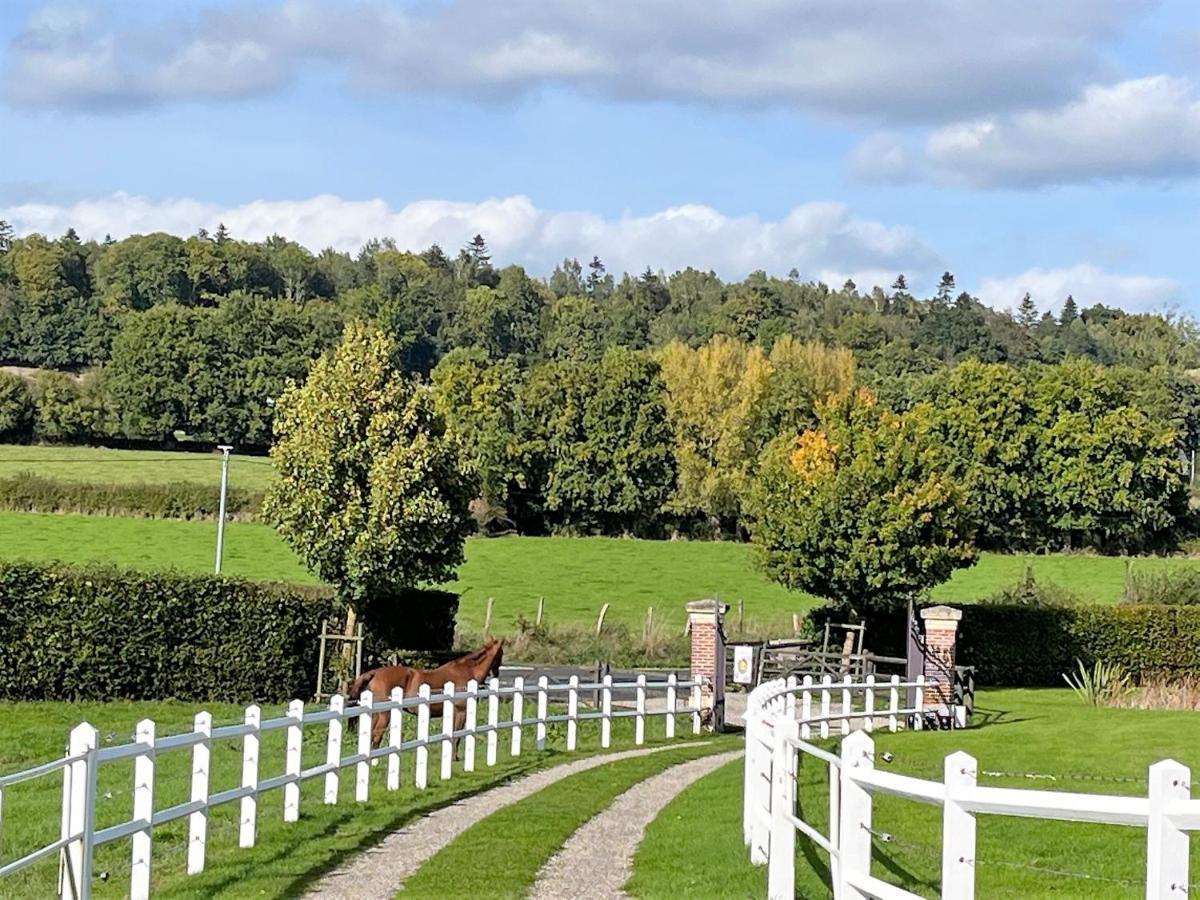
x,y
79,835
1168,813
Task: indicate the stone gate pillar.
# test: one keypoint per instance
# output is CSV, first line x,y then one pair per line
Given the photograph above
x,y
706,620
941,642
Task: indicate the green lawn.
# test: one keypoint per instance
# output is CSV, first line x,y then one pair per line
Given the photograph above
x,y
500,856
288,857
575,575
1046,732
100,464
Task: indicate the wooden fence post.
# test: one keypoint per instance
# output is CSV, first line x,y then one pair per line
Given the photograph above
x,y
295,747
248,825
493,738
854,838
79,814
781,860
541,610
333,749
143,809
362,769
198,820
1166,845
600,619
958,828
421,773
669,723
447,731
572,711
395,738
543,710
639,722
606,711
487,619
518,713
469,725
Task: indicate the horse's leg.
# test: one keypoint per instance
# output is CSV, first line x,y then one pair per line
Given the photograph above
x,y
460,719
379,730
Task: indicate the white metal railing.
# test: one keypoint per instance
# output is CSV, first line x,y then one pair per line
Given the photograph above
x,y
79,835
1168,813
815,708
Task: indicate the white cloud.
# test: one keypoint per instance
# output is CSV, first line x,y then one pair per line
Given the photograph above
x,y
1088,284
874,59
881,158
822,240
1143,128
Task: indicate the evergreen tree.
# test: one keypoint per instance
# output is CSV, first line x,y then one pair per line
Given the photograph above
x,y
599,282
221,235
1070,311
945,288
6,236
1027,314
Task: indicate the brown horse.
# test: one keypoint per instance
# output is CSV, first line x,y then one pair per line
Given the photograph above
x,y
478,665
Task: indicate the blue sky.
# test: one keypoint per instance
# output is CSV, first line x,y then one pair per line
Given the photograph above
x,y
1049,147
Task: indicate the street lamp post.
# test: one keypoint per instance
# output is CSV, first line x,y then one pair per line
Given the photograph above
x,y
224,448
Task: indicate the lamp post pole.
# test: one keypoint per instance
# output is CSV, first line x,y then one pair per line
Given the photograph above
x,y
224,448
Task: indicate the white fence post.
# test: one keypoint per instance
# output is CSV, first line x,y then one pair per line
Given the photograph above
x,y
749,773
333,749
469,725
518,713
79,814
869,704
825,705
421,773
781,861
639,722
854,839
697,699
894,704
847,704
789,703
543,710
958,828
606,713
362,769
198,820
447,731
806,708
395,738
919,718
1166,845
295,748
572,711
248,828
670,720
493,737
143,809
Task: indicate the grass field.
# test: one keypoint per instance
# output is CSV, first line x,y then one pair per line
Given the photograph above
x,y
1043,733
100,464
288,857
575,575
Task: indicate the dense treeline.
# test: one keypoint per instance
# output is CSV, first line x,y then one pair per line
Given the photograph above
x,y
641,404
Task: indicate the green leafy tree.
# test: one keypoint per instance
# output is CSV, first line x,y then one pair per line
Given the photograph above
x,y
16,408
370,492
860,511
145,270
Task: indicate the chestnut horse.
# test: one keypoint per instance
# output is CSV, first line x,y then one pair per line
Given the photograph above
x,y
478,665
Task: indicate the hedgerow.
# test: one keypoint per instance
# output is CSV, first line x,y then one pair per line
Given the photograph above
x,y
27,492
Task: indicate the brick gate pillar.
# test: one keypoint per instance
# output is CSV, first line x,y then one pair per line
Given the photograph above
x,y
706,619
941,642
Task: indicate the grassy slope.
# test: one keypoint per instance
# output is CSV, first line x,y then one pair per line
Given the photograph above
x,y
288,857
100,464
1040,732
487,860
576,575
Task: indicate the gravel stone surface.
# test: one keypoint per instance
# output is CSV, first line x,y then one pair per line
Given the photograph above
x,y
378,873
597,860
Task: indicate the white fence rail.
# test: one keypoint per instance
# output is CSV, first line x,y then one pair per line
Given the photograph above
x,y
1168,813
79,835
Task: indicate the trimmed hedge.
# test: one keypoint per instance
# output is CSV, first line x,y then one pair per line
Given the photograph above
x,y
27,492
102,634
1032,646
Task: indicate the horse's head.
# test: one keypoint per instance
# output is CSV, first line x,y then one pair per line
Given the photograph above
x,y
497,658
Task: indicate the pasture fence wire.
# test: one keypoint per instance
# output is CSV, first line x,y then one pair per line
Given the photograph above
x,y
479,735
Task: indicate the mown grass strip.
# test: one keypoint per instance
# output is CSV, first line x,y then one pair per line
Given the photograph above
x,y
501,855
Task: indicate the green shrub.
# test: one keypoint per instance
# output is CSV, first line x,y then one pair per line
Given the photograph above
x,y
16,408
102,634
1170,587
27,492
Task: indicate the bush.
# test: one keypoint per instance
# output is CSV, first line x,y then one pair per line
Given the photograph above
x,y
16,408
27,492
101,634
1171,587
